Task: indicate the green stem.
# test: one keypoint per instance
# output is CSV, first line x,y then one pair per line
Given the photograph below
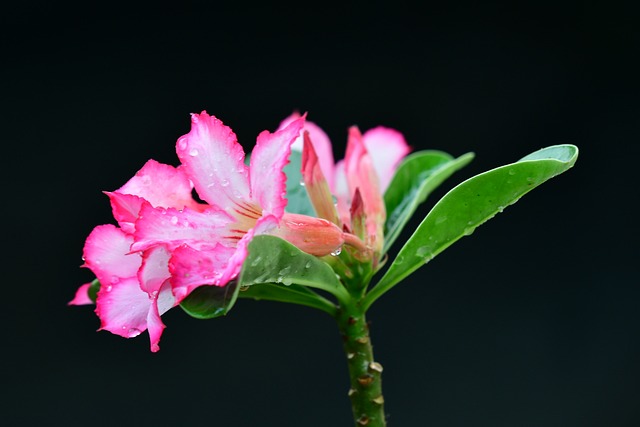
x,y
366,389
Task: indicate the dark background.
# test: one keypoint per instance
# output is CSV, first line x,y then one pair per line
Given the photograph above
x,y
532,321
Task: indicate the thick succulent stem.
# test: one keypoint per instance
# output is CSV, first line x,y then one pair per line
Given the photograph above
x,y
366,389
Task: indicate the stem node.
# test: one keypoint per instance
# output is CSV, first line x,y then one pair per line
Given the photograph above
x,y
378,400
363,420
375,366
365,380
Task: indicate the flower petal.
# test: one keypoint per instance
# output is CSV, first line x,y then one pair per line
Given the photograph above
x,y
159,305
316,184
321,144
387,147
268,158
125,208
154,270
172,228
191,268
214,161
123,308
106,254
264,225
362,176
341,191
82,296
162,186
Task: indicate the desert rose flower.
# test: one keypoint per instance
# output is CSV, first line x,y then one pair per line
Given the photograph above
x,y
251,199
135,288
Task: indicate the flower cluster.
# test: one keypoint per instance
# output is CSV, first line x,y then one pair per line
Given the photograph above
x,y
166,243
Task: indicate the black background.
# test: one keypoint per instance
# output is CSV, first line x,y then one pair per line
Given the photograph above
x,y
532,321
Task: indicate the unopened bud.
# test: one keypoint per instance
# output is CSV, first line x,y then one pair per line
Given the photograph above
x,y
315,236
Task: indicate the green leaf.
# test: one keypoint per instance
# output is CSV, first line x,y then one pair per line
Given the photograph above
x,y
416,177
298,199
470,204
273,260
295,294
208,302
92,292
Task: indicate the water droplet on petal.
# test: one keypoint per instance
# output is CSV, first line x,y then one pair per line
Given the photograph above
x,y
337,251
224,182
109,288
182,143
174,220
193,152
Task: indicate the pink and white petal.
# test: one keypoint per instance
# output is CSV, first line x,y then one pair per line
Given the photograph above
x,y
123,308
107,255
155,326
165,299
316,184
125,208
161,185
341,191
268,158
362,176
82,296
214,161
172,228
265,225
321,143
387,147
191,268
160,304
154,270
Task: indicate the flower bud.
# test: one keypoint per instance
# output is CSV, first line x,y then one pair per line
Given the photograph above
x,y
315,236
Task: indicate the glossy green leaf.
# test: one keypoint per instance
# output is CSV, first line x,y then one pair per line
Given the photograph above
x,y
295,294
297,197
416,177
470,204
208,302
273,260
92,292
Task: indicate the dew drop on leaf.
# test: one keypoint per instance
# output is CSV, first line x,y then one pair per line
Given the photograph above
x,y
441,219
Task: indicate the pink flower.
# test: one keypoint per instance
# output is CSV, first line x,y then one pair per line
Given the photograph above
x,y
135,288
167,244
208,246
358,182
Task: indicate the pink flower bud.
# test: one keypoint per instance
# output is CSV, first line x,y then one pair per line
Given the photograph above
x,y
315,236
